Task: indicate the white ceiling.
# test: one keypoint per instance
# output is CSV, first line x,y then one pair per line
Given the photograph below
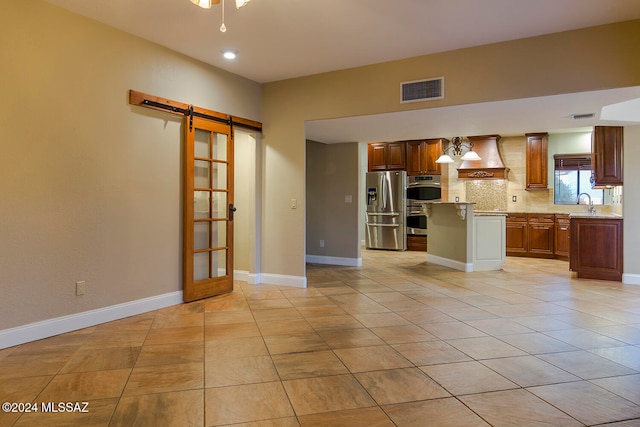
x,y
281,39
515,117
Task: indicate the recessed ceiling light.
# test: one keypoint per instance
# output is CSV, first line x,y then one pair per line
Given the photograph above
x,y
230,54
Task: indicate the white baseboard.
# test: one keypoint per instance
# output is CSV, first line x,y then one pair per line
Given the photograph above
x,y
283,280
488,265
60,325
245,276
332,260
271,279
451,263
254,278
241,275
631,279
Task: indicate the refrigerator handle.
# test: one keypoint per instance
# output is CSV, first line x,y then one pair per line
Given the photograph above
x,y
384,188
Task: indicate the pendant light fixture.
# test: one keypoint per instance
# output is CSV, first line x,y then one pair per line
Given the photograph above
x,y
205,4
223,29
456,148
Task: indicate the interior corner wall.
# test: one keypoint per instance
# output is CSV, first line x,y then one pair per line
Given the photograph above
x,y
332,180
315,195
363,168
245,201
631,205
92,186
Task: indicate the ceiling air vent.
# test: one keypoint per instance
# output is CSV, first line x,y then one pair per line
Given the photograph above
x,y
583,116
422,90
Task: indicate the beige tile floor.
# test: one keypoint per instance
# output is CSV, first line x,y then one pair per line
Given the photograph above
x,y
396,342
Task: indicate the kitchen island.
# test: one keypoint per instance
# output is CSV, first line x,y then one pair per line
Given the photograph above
x,y
464,240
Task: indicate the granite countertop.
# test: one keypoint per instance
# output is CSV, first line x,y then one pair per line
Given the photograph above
x,y
490,213
431,202
595,216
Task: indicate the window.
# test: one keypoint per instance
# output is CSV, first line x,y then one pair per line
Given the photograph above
x,y
572,176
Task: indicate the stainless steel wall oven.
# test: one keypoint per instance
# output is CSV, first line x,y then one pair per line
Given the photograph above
x,y
420,189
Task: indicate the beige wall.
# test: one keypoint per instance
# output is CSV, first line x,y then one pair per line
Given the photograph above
x,y
631,205
91,186
583,60
246,201
332,174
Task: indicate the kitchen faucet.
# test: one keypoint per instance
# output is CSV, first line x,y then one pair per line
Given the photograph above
x,y
591,209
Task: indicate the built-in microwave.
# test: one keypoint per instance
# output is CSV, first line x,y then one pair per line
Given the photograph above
x,y
420,189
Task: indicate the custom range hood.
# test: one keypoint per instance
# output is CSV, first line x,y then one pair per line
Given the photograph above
x,y
490,165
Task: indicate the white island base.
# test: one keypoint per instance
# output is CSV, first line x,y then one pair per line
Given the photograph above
x,y
464,240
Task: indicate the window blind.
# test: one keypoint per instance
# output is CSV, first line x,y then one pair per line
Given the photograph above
x,y
572,162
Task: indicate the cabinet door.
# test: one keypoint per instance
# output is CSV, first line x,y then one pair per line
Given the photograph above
x,y
432,152
516,238
607,152
415,153
422,156
395,155
541,239
561,244
596,248
376,154
536,161
417,243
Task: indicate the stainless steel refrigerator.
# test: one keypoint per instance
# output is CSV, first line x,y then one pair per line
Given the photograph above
x,y
386,210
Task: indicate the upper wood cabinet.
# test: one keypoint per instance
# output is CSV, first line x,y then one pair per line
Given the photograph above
x,y
377,156
606,148
384,156
536,162
422,156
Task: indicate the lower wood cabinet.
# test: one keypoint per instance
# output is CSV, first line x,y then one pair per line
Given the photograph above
x,y
416,243
561,243
541,231
517,232
538,235
596,248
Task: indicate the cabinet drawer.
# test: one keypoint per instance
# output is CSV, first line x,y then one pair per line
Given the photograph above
x,y
517,217
562,219
542,218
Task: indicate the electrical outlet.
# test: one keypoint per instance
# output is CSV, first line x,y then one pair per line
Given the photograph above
x,y
294,204
457,199
80,288
322,243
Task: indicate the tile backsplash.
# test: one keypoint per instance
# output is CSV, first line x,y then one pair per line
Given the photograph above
x,y
488,195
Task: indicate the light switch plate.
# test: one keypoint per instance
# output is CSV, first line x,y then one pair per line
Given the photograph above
x,y
80,288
